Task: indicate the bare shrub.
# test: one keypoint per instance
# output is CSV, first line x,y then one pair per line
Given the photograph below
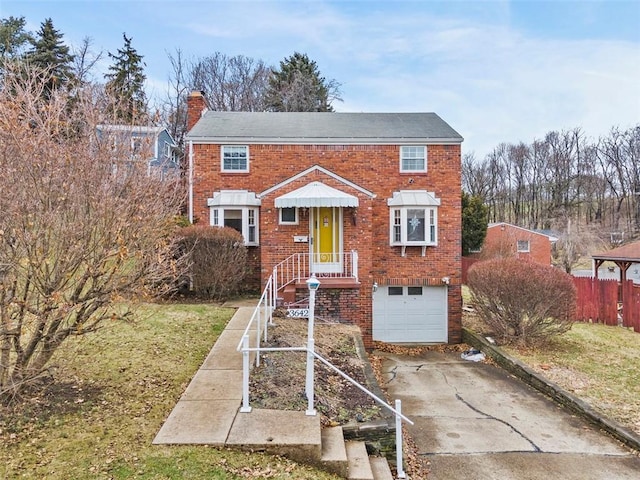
x,y
217,258
82,225
523,302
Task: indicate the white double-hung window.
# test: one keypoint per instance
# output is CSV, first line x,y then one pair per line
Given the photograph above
x,y
235,158
413,219
238,209
413,159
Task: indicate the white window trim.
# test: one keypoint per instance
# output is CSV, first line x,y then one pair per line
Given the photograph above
x,y
430,239
216,219
426,152
230,170
283,222
526,249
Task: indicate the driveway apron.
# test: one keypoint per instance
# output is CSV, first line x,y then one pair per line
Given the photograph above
x,y
475,421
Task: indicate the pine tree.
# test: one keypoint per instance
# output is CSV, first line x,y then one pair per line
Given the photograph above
x,y
51,56
474,223
125,83
13,37
299,87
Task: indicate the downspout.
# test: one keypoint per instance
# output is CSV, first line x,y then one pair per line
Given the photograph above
x,y
190,181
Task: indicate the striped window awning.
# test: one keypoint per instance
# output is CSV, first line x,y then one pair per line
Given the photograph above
x,y
316,194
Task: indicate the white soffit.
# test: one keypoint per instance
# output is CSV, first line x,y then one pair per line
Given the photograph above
x,y
228,198
316,194
420,198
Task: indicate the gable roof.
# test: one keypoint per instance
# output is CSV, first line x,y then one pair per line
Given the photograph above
x,y
629,252
544,233
315,168
322,127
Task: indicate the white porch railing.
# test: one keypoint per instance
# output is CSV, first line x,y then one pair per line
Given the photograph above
x,y
300,266
263,317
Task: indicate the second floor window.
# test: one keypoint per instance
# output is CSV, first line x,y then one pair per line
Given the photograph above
x,y
413,159
235,158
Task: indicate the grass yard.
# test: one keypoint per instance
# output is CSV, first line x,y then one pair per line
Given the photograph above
x,y
597,363
110,393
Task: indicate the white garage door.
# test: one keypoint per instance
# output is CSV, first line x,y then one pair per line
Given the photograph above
x,y
410,314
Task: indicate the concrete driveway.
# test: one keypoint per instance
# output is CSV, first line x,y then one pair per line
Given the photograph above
x,y
475,421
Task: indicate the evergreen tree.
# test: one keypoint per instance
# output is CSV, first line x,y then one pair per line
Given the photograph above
x,y
474,222
298,87
51,56
13,37
125,83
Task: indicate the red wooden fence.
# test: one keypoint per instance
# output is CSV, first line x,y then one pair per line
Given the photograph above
x,y
597,301
631,306
466,263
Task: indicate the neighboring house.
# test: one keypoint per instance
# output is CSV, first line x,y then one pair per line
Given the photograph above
x,y
368,202
506,240
154,145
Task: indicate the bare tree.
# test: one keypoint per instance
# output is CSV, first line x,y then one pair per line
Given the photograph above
x,y
231,83
84,61
82,226
574,242
175,104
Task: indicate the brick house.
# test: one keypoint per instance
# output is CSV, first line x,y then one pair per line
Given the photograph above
x,y
506,240
368,202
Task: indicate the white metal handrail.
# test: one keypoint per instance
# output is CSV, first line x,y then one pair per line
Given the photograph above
x,y
397,411
263,315
300,265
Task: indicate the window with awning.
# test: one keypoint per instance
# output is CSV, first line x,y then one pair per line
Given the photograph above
x,y
237,209
413,218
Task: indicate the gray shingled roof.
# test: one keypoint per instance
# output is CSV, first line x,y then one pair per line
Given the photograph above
x,y
311,127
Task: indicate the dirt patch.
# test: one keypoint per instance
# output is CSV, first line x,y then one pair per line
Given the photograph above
x,y
279,381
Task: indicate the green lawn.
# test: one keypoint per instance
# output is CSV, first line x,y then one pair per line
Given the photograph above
x,y
599,364
112,391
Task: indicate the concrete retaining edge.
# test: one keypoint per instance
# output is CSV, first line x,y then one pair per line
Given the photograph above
x,y
540,383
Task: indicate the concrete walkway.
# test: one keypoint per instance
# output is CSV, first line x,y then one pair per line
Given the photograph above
x,y
474,421
208,411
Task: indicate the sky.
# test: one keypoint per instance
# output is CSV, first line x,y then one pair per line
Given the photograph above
x,y
496,71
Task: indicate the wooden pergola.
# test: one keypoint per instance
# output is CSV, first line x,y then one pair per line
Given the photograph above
x,y
623,257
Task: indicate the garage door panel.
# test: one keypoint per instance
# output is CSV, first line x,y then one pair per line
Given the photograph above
x,y
410,318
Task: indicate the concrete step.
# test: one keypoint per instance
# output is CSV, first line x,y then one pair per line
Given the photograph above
x,y
291,434
334,451
358,460
380,468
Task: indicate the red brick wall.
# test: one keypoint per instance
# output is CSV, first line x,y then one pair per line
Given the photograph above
x,y
374,168
502,241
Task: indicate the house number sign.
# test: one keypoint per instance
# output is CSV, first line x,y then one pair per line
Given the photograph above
x,y
298,313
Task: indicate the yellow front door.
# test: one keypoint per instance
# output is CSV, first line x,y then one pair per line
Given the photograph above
x,y
325,244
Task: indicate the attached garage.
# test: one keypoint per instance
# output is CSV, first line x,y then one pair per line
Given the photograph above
x,y
410,314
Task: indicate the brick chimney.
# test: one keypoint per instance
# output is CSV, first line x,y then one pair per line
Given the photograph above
x,y
196,106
